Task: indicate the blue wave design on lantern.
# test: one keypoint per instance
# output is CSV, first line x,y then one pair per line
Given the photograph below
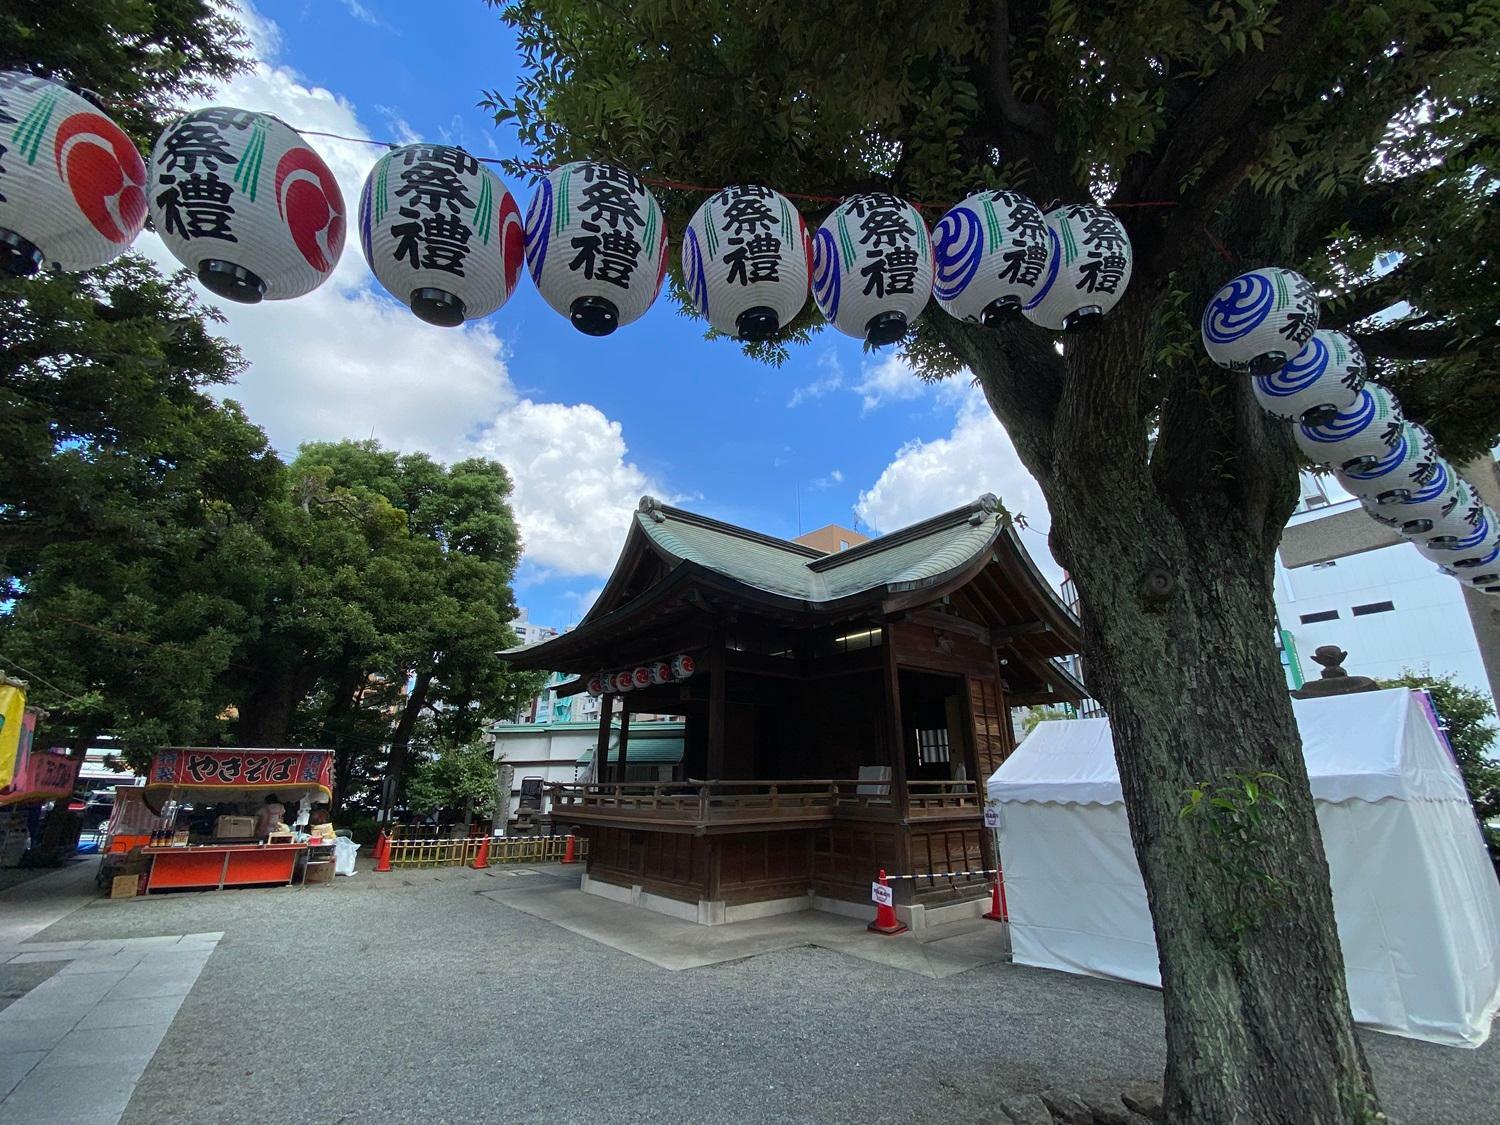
x,y
1434,488
1301,371
1054,262
697,282
1481,531
1345,425
826,273
958,246
539,229
1388,462
1239,308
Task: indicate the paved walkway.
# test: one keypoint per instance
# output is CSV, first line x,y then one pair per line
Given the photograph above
x,y
445,996
31,906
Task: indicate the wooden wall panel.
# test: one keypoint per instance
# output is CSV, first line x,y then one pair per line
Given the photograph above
x,y
993,741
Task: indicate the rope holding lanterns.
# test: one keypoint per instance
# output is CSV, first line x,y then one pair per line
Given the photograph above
x,y
240,199
442,233
72,186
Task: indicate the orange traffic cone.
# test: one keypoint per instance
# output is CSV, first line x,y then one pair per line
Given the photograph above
x,y
996,912
382,852
570,852
886,921
482,855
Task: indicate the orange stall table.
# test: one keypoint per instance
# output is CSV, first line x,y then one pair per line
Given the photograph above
x,y
216,866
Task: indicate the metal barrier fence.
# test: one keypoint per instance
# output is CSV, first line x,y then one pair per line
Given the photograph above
x,y
442,852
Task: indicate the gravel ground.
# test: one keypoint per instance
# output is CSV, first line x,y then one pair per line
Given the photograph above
x,y
410,997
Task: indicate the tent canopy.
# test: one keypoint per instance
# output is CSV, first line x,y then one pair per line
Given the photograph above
x,y
1414,894
1365,747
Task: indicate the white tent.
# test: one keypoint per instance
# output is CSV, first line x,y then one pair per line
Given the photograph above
x,y
1416,899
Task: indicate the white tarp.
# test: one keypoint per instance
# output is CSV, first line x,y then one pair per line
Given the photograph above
x,y
1414,894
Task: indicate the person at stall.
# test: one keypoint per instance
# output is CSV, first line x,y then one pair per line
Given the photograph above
x,y
321,823
272,813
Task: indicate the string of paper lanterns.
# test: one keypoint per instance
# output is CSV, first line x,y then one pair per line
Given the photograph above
x,y
243,200
1266,322
680,667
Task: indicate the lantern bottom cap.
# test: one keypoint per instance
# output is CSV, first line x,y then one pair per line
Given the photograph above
x,y
1445,542
19,257
232,282
1000,310
1268,363
1416,527
1356,464
885,328
756,324
439,307
1079,319
1319,415
1394,495
594,316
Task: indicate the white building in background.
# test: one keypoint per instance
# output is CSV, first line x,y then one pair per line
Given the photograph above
x,y
528,633
1389,607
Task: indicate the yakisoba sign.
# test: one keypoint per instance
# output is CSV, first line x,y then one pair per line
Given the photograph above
x,y
633,679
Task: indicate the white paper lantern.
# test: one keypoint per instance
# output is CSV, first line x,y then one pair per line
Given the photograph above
x,y
1436,494
1360,434
1260,320
661,672
240,199
1460,518
1400,471
72,185
1485,579
872,267
623,681
596,243
596,685
990,255
1480,548
441,232
683,667
1315,384
1089,261
747,261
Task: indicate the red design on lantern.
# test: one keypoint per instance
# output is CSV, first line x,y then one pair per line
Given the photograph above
x,y
309,199
104,172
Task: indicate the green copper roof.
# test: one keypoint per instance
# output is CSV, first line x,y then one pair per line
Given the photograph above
x,y
901,560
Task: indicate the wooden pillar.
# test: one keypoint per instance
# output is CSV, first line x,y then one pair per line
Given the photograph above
x,y
718,707
601,751
624,738
900,797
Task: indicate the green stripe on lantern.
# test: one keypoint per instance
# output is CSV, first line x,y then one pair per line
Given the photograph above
x,y
484,211
562,201
1282,298
1070,247
846,243
992,226
28,134
380,184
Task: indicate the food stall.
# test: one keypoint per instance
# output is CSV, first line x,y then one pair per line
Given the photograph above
x,y
30,777
213,844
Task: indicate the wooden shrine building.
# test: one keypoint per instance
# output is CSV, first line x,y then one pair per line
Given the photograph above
x,y
842,711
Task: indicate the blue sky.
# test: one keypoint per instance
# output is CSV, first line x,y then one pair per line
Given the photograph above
x,y
585,425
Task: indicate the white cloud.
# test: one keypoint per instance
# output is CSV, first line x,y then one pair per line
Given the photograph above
x,y
575,489
361,13
888,379
346,361
825,384
928,477
835,476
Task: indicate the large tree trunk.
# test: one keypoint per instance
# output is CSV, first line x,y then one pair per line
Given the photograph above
x,y
1171,545
401,743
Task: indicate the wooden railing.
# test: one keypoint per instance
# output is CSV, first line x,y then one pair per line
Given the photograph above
x,y
417,851
700,803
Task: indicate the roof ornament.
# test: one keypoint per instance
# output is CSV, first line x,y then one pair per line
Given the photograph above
x,y
651,506
1334,680
989,502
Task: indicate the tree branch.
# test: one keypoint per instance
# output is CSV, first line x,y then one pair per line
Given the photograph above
x,y
1374,296
1002,95
1412,343
1226,99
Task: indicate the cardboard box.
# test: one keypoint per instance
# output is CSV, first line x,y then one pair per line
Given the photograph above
x,y
124,886
318,873
234,827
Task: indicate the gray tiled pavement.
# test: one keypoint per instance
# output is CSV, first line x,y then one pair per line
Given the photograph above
x,y
73,1047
